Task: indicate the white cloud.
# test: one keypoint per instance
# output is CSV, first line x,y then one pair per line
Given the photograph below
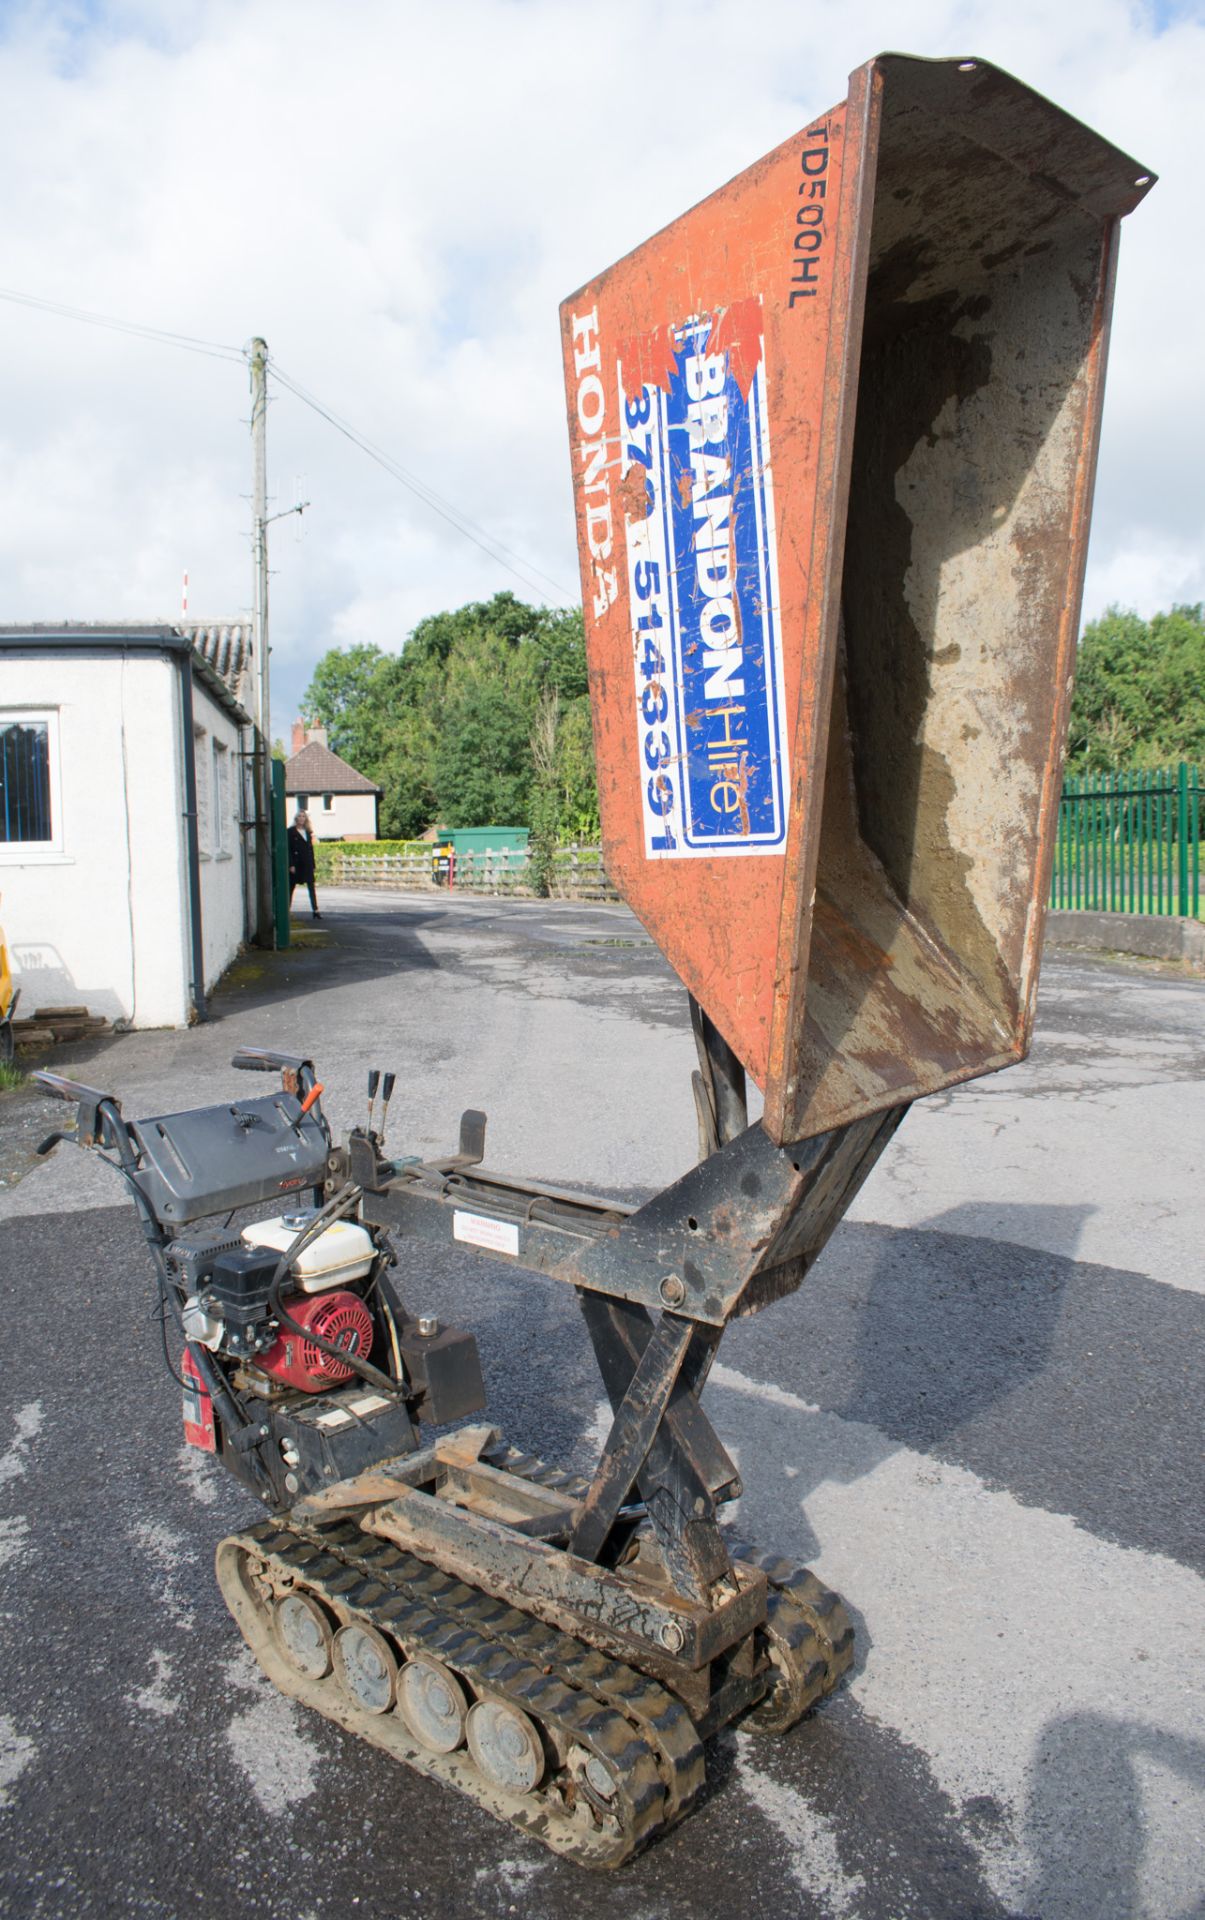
x,y
397,197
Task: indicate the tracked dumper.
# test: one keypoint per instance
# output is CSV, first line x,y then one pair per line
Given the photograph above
x,y
833,436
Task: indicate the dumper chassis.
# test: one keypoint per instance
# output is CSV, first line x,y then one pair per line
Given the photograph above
x,y
557,1648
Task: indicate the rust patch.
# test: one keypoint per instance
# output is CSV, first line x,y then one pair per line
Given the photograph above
x,y
635,494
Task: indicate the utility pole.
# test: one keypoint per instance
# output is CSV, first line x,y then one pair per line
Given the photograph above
x,y
265,921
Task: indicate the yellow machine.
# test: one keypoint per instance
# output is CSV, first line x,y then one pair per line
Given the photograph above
x,y
9,996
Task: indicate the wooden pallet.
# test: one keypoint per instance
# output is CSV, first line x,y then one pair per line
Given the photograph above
x,y
55,1026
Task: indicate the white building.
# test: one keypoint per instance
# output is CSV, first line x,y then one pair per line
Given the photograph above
x,y
123,868
342,804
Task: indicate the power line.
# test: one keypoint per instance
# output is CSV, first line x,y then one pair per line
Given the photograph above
x,y
496,549
217,349
515,563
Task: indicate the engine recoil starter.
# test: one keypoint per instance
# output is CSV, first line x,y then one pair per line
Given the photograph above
x,y
340,1318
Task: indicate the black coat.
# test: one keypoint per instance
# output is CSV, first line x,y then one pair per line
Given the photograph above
x,y
301,856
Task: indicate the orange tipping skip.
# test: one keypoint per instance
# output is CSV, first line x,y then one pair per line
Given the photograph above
x,y
833,436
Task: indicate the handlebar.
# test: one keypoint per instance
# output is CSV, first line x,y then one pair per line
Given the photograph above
x,y
97,1111
264,1060
99,1120
54,1083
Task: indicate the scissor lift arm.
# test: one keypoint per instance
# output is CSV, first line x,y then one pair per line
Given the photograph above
x,y
657,1285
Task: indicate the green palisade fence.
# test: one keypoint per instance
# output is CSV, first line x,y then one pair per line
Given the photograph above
x,y
1130,842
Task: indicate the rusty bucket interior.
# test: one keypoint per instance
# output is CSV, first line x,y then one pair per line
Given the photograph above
x,y
932,470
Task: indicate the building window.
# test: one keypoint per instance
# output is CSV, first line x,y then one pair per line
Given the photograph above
x,y
28,781
221,798
302,801
201,774
328,801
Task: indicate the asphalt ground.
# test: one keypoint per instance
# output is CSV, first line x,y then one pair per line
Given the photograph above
x,y
980,1420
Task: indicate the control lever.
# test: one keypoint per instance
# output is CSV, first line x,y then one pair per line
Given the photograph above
x,y
374,1081
386,1097
311,1100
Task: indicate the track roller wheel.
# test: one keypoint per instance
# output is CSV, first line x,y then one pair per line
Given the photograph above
x,y
595,1778
366,1667
506,1746
432,1703
303,1634
809,1641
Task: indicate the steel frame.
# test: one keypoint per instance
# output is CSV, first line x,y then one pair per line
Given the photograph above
x,y
657,1284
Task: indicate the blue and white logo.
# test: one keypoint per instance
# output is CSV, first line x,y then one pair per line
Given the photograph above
x,y
702,581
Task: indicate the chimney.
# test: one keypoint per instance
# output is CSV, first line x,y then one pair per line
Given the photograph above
x,y
298,735
317,735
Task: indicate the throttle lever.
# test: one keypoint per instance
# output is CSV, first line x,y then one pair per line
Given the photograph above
x,y
386,1096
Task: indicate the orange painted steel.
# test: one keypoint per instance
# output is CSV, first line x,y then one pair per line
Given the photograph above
x,y
833,435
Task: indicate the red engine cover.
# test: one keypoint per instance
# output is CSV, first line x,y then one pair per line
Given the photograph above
x,y
341,1318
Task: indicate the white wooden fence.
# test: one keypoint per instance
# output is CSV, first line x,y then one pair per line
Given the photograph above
x,y
578,872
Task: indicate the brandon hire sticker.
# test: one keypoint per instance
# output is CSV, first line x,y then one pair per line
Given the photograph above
x,y
710,743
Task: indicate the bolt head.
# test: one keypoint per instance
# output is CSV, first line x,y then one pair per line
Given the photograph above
x,y
672,1290
428,1326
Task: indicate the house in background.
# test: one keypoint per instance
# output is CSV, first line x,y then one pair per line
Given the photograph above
x,y
342,804
124,757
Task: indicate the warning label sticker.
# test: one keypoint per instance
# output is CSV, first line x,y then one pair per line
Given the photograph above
x,y
477,1230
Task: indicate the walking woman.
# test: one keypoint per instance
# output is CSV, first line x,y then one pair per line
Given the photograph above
x,y
301,860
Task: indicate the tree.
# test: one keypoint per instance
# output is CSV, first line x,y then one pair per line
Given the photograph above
x,y
343,697
577,780
483,770
446,726
545,791
408,803
1139,696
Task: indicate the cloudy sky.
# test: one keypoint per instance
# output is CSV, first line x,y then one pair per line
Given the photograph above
x,y
396,196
